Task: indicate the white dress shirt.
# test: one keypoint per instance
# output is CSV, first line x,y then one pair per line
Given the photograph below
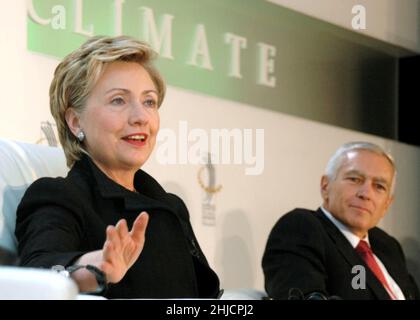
x,y
354,241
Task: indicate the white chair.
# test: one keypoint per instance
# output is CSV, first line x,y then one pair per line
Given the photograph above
x,y
35,284
243,294
20,165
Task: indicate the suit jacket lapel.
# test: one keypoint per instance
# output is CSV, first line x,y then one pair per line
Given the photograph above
x,y
350,255
381,250
339,239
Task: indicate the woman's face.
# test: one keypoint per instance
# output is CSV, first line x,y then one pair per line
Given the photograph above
x,y
121,118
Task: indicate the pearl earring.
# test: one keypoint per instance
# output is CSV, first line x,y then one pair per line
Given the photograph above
x,y
81,136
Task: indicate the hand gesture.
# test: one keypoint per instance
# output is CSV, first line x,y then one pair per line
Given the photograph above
x,y
122,247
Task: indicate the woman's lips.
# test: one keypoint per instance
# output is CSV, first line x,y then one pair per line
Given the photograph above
x,y
137,139
138,143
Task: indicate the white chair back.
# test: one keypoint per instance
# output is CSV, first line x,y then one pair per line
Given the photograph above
x,y
20,165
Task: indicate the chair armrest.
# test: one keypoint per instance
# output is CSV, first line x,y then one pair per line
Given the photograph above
x,y
35,284
243,294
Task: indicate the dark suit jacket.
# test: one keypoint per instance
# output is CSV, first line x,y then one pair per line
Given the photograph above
x,y
60,219
305,250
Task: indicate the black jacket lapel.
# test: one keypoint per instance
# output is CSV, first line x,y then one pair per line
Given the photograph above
x,y
350,255
381,250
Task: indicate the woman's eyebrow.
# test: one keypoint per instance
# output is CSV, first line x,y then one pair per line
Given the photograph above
x,y
118,89
150,91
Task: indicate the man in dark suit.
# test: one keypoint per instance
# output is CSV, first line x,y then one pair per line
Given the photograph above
x,y
338,250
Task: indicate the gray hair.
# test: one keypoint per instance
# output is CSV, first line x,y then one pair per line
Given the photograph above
x,y
336,161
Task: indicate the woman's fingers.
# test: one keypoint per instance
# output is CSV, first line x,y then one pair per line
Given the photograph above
x,y
122,229
121,247
113,236
108,251
139,227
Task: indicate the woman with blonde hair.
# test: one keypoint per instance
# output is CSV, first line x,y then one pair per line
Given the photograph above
x,y
108,224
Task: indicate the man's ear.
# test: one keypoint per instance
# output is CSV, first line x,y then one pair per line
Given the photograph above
x,y
389,202
325,181
73,121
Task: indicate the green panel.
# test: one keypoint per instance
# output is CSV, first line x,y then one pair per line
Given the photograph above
x,y
323,72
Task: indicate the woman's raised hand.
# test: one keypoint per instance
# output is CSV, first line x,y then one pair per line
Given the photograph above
x,y
122,247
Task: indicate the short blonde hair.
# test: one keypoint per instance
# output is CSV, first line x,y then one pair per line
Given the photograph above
x,y
76,76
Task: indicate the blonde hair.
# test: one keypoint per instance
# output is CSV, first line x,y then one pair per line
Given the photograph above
x,y
76,76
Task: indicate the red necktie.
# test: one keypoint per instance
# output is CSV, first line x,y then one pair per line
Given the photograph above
x,y
366,253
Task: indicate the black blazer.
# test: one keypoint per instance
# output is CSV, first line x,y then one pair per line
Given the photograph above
x,y
305,250
60,219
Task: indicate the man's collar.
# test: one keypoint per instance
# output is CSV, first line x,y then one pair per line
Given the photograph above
x,y
350,236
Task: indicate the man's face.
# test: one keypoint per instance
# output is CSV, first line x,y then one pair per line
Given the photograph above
x,y
361,193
